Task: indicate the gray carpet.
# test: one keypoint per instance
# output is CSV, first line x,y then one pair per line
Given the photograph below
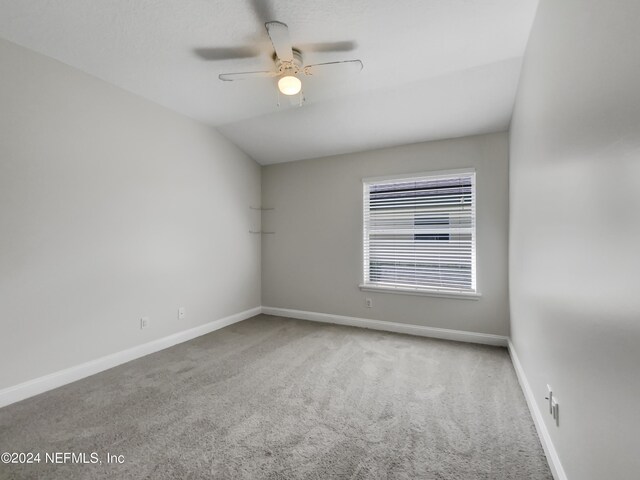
x,y
277,398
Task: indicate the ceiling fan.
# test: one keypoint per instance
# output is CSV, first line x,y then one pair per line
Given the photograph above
x,y
289,64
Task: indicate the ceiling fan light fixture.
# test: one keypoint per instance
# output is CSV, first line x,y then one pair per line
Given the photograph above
x,y
289,85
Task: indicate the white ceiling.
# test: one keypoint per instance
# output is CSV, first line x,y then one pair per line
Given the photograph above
x,y
432,68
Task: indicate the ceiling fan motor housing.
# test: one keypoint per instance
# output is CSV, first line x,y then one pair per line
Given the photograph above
x,y
289,67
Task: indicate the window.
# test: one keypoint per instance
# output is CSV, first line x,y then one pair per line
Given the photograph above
x,y
419,233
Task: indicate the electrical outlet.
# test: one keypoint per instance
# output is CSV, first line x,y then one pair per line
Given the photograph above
x,y
368,302
182,313
145,322
554,407
549,398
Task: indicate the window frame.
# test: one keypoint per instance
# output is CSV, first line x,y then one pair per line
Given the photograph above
x,y
472,294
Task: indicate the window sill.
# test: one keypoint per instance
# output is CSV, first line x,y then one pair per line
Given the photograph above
x,y
424,293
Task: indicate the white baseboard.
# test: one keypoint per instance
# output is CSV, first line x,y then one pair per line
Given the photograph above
x,y
57,379
443,333
538,420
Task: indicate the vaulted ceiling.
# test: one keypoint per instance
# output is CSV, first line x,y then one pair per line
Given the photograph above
x,y
432,68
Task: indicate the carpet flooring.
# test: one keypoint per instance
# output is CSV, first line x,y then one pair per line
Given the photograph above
x,y
276,398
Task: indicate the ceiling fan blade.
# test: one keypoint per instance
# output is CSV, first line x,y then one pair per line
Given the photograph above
x,y
348,66
230,77
279,34
226,53
263,10
344,46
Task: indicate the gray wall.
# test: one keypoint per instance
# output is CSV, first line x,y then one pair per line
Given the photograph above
x,y
314,260
575,230
111,208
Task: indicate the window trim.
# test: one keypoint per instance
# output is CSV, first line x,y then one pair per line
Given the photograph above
x,y
429,291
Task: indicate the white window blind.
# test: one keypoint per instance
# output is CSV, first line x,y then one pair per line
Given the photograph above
x,y
419,232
